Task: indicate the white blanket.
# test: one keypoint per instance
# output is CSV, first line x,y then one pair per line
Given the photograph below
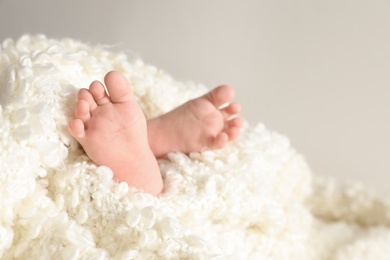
x,y
253,200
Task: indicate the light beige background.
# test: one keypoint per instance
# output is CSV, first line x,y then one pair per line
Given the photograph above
x,y
316,71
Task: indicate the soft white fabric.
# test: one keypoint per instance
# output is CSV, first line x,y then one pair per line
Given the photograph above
x,y
253,200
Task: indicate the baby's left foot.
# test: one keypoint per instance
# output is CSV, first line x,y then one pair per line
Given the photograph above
x,y
112,130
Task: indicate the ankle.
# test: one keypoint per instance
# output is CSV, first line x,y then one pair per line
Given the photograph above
x,y
158,137
141,172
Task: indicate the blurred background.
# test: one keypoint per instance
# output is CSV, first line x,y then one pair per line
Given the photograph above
x,y
315,71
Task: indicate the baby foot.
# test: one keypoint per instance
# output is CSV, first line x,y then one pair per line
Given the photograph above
x,y
112,130
198,124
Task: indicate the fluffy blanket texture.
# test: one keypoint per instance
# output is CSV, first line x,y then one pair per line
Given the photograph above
x,y
256,199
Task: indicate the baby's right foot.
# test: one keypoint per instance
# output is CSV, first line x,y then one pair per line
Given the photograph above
x,y
198,124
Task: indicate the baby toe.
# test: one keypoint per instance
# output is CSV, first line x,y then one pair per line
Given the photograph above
x,y
232,133
220,141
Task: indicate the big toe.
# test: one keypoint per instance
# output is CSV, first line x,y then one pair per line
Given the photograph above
x,y
221,95
118,87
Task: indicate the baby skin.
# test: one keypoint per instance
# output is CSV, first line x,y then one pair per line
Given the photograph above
x,y
114,132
